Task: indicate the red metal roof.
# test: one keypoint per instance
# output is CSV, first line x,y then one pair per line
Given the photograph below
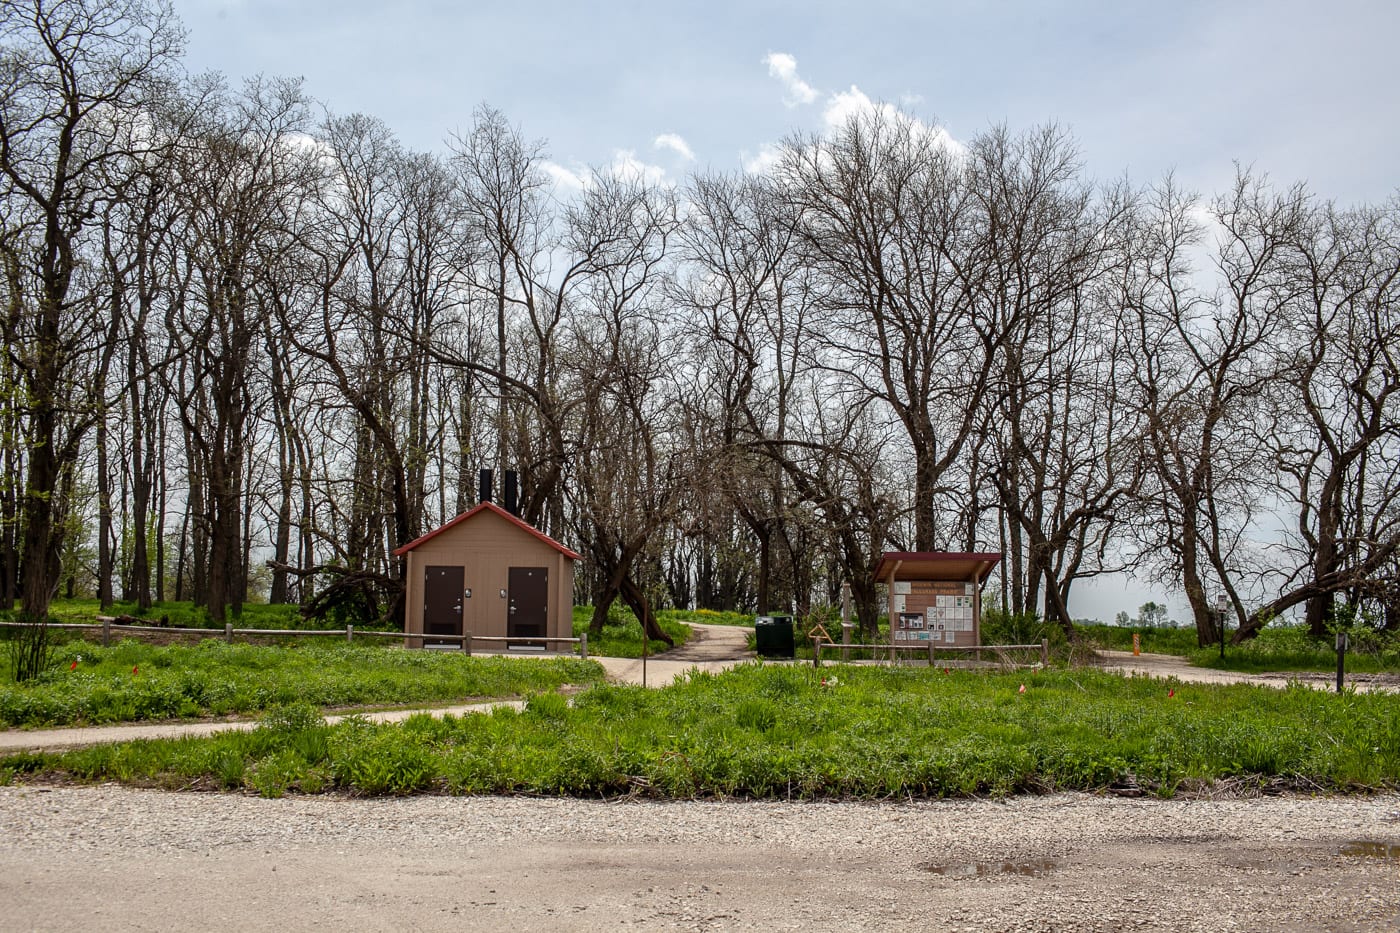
x,y
497,510
935,565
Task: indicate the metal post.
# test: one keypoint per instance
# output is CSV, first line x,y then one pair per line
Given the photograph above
x,y
1341,658
1045,652
646,644
349,633
1222,604
583,646
817,651
228,632
106,631
467,643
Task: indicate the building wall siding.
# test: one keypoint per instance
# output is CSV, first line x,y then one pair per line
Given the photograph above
x,y
487,546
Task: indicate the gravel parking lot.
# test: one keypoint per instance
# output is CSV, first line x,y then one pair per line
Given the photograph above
x,y
112,858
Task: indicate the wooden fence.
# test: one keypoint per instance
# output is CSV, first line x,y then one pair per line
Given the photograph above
x,y
107,625
931,648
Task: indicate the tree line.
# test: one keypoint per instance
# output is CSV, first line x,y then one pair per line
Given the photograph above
x,y
253,345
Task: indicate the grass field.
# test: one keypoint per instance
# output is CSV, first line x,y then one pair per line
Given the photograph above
x,y
180,615
1288,648
622,635
780,731
132,681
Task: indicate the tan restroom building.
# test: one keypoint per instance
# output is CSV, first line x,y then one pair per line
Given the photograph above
x,y
488,573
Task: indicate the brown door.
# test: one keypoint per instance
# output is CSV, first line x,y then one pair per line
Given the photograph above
x,y
442,603
529,603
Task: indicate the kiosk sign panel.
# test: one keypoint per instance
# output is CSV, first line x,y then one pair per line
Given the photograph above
x,y
941,611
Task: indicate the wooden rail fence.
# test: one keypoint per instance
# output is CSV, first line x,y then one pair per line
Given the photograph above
x,y
107,625
819,644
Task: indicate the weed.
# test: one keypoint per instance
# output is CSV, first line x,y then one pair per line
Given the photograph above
x,y
770,731
89,684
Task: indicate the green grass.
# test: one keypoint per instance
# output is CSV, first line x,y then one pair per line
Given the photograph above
x,y
780,731
179,615
133,681
706,617
1289,648
1178,641
622,635
1277,648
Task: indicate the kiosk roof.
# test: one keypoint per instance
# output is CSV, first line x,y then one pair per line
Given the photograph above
x,y
934,565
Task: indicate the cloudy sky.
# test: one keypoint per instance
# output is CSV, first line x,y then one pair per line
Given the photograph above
x,y
1301,90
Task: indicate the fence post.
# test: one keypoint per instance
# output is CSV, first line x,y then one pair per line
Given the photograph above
x,y
349,633
228,632
817,651
467,642
106,631
583,646
1045,652
930,653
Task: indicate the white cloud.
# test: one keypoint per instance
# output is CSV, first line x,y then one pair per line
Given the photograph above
x,y
763,162
675,143
783,66
843,105
625,164
565,178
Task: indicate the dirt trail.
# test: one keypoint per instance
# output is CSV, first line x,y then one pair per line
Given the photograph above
x,y
1169,665
712,648
47,739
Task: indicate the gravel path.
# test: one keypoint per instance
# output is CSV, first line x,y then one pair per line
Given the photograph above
x,y
109,858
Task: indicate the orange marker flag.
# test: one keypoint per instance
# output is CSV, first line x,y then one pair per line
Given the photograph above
x,y
1171,692
134,670
73,666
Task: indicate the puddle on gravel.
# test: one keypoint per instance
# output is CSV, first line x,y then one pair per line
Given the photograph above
x,y
1033,868
1371,849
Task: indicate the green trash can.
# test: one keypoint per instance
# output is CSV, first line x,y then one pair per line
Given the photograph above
x,y
773,636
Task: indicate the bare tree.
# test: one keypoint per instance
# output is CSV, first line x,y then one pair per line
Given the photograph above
x,y
884,212
244,183
1334,427
631,470
1065,440
75,77
1201,364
